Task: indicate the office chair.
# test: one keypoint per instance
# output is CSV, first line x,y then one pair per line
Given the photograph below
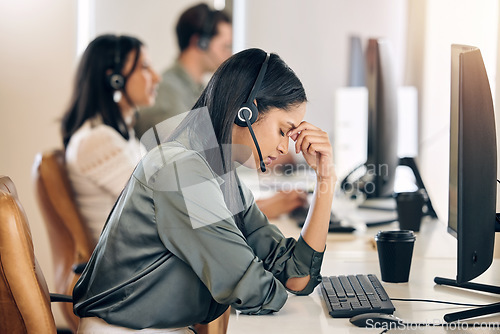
x,y
217,326
69,237
24,297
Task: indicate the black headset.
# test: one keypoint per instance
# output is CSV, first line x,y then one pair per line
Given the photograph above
x,y
116,79
248,112
206,30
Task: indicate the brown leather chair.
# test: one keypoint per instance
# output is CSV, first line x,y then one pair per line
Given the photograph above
x,y
218,326
69,237
24,297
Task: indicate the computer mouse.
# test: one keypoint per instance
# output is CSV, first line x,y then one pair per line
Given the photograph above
x,y
376,320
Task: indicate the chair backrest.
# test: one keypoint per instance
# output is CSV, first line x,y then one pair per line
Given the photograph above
x,y
69,237
24,297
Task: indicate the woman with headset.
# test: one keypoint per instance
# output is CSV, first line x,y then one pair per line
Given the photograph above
x,y
113,79
185,239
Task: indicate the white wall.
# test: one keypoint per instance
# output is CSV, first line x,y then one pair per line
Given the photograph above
x,y
38,41
449,22
152,21
313,38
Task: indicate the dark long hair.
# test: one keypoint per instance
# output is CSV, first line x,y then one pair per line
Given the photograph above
x,y
92,92
226,91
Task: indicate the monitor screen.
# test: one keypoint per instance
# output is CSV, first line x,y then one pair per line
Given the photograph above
x,y
473,163
375,178
382,158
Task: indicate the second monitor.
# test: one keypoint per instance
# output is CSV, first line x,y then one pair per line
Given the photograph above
x,y
375,178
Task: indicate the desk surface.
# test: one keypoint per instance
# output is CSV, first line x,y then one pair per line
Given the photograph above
x,y
434,255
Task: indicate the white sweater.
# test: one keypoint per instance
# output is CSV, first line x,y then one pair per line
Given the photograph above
x,y
100,162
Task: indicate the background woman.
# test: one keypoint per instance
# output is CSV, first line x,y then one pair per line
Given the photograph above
x,y
113,79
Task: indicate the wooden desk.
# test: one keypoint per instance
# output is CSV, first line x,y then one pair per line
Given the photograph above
x,y
434,255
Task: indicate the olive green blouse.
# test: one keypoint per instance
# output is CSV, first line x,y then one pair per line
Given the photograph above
x,y
171,254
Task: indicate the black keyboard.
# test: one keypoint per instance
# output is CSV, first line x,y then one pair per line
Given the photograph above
x,y
347,296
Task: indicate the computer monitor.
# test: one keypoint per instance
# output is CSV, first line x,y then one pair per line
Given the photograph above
x,y
382,158
375,178
472,178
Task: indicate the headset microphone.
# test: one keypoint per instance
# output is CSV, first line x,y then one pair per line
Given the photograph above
x,y
248,112
249,125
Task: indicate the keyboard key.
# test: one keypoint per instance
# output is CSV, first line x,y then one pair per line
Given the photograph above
x,y
349,292
338,288
355,285
359,307
381,293
366,284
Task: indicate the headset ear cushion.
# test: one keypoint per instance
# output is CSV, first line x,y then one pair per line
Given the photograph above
x,y
247,110
116,81
203,42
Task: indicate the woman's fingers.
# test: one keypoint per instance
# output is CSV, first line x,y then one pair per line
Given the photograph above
x,y
314,144
322,148
307,141
303,131
308,136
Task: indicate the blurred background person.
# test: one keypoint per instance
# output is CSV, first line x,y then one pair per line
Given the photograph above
x,y
204,37
114,78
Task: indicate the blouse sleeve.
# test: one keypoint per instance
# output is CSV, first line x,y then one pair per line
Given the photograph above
x,y
105,158
284,257
195,224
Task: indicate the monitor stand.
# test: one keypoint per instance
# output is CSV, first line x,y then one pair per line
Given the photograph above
x,y
375,210
368,209
475,312
410,162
